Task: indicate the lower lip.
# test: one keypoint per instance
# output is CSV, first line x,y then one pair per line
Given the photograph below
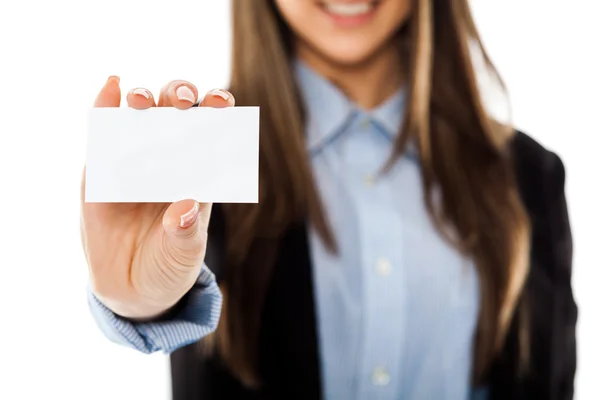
x,y
353,21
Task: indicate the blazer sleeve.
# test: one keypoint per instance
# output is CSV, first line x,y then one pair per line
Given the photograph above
x,y
565,308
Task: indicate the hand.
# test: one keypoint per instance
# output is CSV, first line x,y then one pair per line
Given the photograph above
x,y
144,257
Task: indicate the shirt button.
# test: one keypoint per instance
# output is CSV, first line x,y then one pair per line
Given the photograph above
x,y
383,267
365,123
380,377
369,180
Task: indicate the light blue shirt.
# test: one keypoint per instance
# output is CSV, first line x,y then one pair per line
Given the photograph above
x,y
397,306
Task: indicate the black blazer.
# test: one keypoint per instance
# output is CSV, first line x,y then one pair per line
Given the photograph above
x,y
289,350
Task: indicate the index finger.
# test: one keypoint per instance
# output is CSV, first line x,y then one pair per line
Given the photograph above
x,y
217,98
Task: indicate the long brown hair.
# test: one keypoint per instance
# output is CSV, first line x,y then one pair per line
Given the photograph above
x,y
463,155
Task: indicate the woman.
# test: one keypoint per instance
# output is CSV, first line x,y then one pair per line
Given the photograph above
x,y
405,246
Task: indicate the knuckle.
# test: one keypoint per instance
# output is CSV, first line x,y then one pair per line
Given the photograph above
x,y
187,255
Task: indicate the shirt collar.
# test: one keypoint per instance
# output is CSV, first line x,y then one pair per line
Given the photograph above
x,y
329,110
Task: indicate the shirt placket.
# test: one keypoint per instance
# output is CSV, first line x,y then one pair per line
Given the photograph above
x,y
383,271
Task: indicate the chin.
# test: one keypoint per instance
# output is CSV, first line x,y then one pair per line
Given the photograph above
x,y
351,61
346,54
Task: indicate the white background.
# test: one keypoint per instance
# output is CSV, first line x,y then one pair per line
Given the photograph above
x,y
55,55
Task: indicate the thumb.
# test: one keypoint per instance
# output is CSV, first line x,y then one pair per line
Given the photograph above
x,y
185,224
110,94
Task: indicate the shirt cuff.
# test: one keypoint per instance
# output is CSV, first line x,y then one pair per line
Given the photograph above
x,y
197,319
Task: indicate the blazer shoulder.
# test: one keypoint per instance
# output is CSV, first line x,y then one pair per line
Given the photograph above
x,y
536,166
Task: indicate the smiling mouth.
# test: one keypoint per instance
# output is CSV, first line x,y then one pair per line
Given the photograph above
x,y
349,9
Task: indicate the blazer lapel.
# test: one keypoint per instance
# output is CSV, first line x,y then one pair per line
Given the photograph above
x,y
288,340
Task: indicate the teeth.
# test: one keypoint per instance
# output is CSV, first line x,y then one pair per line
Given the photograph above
x,y
349,9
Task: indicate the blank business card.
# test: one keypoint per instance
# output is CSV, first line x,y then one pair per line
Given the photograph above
x,y
165,155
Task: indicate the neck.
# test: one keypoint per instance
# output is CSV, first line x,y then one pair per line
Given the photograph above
x,y
368,83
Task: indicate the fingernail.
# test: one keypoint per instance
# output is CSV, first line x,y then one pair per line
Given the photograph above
x,y
141,92
220,93
184,93
113,78
189,217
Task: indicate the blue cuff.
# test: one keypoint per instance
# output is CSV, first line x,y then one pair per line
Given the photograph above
x,y
198,319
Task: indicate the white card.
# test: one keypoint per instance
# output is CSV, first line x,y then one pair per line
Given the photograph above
x,y
165,155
